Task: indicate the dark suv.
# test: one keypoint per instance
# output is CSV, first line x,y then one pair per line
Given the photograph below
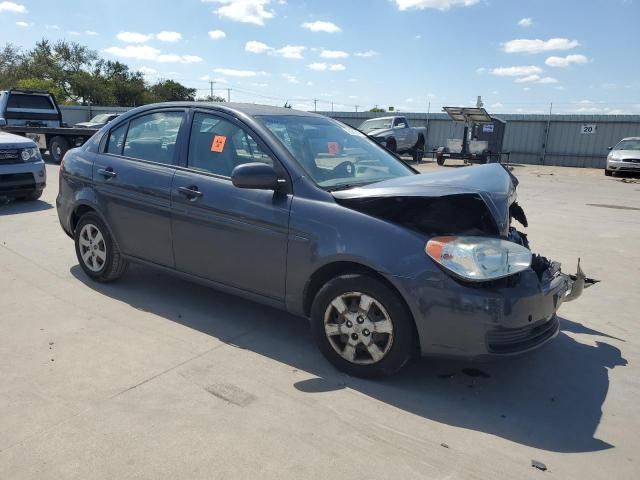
x,y
304,213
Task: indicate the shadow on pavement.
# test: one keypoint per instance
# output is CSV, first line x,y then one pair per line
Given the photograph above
x,y
13,207
550,399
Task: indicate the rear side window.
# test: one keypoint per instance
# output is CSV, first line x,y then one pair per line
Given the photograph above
x,y
33,102
116,140
218,146
153,137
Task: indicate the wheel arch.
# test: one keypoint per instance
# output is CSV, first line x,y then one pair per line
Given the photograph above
x,y
344,267
83,208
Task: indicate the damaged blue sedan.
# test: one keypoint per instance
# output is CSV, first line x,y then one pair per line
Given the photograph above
x,y
304,213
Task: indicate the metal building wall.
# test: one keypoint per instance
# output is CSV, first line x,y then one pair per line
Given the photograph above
x,y
524,134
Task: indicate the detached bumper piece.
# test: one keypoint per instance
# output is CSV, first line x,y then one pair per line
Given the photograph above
x,y
577,284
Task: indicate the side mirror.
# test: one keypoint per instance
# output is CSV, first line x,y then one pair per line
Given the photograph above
x,y
401,125
259,176
3,122
609,148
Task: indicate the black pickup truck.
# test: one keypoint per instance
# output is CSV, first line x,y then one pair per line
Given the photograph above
x,y
35,114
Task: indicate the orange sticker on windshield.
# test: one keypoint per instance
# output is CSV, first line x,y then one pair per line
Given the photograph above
x,y
218,143
333,148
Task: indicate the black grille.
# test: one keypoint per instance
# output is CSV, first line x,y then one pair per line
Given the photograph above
x,y
511,340
9,155
631,160
14,182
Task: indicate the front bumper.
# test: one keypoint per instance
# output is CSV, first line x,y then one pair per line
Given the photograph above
x,y
507,318
628,165
19,179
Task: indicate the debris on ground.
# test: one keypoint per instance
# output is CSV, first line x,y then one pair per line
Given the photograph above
x,y
444,445
538,465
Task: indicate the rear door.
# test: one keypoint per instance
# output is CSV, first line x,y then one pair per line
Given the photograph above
x,y
233,236
402,133
133,176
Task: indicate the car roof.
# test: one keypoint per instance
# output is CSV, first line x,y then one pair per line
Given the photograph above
x,y
251,109
630,138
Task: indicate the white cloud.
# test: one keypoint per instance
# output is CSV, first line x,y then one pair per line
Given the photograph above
x,y
288,51
536,79
525,22
220,80
133,37
291,51
368,53
537,46
309,83
566,61
148,71
521,71
245,11
435,4
321,67
52,27
165,36
418,37
24,24
216,34
74,33
321,26
146,52
256,47
91,33
12,7
232,72
333,54
290,78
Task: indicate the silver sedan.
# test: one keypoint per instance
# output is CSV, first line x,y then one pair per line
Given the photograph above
x,y
624,157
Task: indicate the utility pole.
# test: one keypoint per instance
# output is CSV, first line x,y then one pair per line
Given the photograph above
x,y
228,95
331,107
357,108
211,82
546,134
426,140
315,104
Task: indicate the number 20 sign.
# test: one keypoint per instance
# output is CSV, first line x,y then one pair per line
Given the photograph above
x,y
588,128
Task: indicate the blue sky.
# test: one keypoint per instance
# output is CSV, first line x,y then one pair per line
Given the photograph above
x,y
520,55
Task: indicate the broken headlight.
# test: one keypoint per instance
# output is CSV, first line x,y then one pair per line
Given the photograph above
x,y
479,258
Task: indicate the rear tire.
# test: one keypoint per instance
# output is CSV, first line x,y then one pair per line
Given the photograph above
x,y
608,173
58,146
97,253
362,327
418,150
440,160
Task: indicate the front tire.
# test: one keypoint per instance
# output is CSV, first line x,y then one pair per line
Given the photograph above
x,y
608,173
418,150
32,197
391,146
97,253
362,327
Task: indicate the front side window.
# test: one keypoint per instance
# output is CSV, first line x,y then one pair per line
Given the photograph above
x,y
333,154
399,122
375,124
153,137
217,146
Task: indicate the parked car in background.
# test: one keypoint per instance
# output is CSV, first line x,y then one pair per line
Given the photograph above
x,y
98,121
22,171
624,157
384,261
35,114
396,135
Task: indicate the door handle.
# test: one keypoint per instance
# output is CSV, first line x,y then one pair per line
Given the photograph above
x,y
107,172
191,192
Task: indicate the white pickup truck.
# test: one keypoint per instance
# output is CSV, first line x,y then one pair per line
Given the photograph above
x,y
396,134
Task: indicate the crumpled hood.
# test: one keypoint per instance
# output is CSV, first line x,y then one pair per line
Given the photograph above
x,y
492,182
9,140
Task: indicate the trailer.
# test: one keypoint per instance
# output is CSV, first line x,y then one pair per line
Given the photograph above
x,y
35,114
481,140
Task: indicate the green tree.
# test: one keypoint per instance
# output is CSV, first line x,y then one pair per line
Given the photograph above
x,y
376,109
172,91
40,84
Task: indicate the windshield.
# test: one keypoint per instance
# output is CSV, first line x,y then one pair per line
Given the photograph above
x,y
333,154
376,124
102,118
628,145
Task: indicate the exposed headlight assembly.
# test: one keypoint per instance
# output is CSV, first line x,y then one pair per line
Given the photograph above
x,y
30,154
478,258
